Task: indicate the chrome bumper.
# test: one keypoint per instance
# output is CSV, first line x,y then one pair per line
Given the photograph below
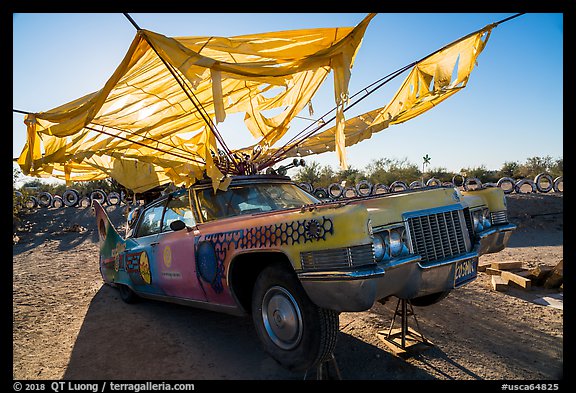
x,y
358,289
495,239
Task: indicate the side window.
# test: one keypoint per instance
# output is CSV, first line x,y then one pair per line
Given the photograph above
x,y
151,221
178,208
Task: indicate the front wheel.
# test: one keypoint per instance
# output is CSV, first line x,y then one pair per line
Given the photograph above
x,y
294,331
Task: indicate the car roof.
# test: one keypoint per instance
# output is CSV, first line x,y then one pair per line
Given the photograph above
x,y
247,179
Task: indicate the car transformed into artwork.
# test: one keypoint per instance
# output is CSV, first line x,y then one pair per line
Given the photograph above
x,y
268,248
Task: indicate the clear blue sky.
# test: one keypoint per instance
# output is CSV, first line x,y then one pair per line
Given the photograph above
x,y
511,109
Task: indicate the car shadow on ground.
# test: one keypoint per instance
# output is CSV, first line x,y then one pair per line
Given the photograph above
x,y
359,360
154,340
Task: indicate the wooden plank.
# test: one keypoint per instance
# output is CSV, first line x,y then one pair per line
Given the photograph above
x,y
414,342
524,273
522,282
506,265
498,284
492,271
482,266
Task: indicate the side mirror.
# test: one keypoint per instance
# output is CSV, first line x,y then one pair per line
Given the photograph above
x,y
133,216
177,225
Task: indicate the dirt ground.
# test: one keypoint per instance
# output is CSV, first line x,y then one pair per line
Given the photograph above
x,y
68,325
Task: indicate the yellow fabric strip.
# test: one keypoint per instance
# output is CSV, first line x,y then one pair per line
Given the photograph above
x,y
428,84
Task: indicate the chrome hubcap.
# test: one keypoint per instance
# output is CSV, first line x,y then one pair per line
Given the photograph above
x,y
282,318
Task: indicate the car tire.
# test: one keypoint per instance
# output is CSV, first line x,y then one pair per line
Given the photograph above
x,y
125,198
518,186
295,332
380,188
503,180
455,177
44,199
71,197
415,184
31,202
127,294
428,300
98,195
84,202
350,192
113,198
433,182
363,188
335,190
306,187
472,180
398,183
559,180
321,193
546,177
57,202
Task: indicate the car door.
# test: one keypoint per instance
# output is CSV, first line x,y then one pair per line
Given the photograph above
x,y
142,255
176,262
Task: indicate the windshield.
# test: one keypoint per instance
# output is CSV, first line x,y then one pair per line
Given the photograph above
x,y
251,198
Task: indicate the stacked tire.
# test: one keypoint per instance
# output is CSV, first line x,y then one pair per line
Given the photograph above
x,y
71,197
542,183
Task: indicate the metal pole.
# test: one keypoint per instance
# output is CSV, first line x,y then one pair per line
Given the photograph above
x,y
198,105
131,21
404,323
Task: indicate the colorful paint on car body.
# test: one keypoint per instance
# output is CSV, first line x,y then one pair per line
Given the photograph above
x,y
266,247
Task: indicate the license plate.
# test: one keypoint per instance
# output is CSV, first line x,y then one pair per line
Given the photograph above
x,y
465,271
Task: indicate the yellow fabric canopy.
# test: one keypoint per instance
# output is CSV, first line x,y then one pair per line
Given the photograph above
x,y
148,124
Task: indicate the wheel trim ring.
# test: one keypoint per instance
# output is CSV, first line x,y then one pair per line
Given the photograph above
x,y
282,318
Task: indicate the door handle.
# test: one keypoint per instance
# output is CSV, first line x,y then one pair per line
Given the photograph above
x,y
154,244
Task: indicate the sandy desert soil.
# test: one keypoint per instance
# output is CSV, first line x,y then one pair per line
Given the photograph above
x,y
68,325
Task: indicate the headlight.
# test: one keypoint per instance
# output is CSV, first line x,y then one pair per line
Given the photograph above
x,y
398,242
390,243
477,221
486,218
379,248
481,219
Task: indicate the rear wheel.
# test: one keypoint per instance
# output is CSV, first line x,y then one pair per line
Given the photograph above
x,y
294,331
127,294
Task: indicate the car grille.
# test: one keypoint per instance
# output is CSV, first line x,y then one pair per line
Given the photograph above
x,y
469,222
338,258
438,236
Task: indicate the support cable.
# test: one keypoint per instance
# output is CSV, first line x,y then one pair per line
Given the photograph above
x,y
301,136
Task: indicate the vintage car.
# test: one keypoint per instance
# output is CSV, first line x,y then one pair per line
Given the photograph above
x,y
268,248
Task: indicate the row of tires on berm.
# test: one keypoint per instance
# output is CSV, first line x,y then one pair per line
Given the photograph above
x,y
72,198
542,183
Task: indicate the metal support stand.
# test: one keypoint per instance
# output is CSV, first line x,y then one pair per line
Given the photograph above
x,y
322,371
404,341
